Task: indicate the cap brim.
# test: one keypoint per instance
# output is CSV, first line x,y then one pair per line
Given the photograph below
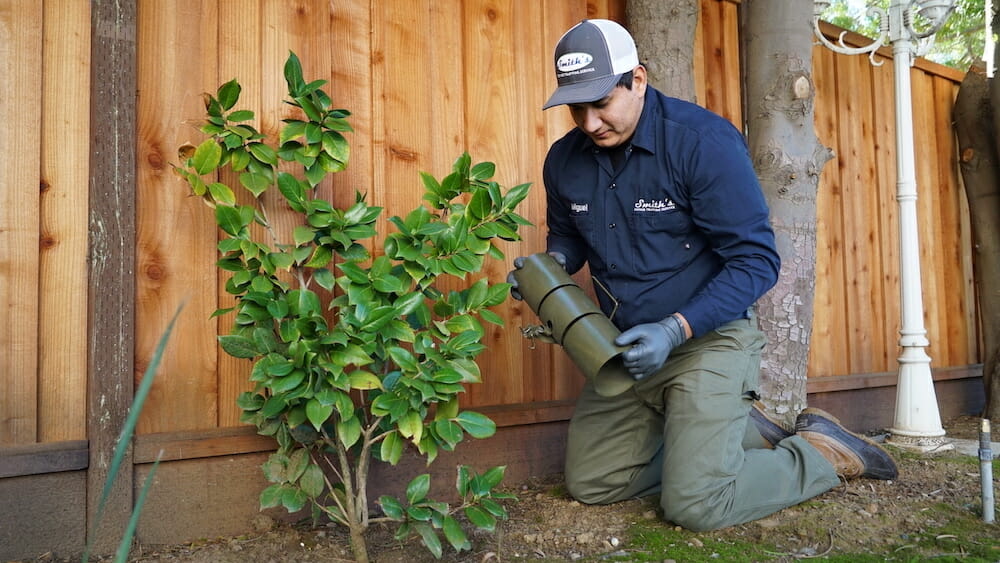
x,y
582,92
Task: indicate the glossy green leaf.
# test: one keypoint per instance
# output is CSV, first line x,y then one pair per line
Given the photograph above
x,y
494,476
317,412
411,426
320,257
288,382
291,188
468,368
429,538
206,157
418,488
249,401
229,219
298,461
351,355
278,308
515,195
281,260
446,410
271,496
255,183
479,206
293,74
455,535
335,145
392,448
293,499
349,431
480,518
238,346
222,193
273,406
483,171
241,115
324,278
477,425
494,508
449,431
263,153
312,481
229,94
390,404
463,480
491,317
364,380
391,507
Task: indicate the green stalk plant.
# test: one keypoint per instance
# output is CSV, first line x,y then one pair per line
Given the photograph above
x,y
381,366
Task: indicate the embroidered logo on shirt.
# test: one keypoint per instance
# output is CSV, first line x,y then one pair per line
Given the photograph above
x,y
579,207
654,206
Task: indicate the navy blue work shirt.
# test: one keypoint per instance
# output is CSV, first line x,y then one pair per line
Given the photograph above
x,y
682,226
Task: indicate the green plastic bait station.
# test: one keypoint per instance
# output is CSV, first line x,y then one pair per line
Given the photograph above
x,y
572,320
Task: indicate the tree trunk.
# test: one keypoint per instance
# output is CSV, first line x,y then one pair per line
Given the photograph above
x,y
991,317
975,121
788,158
664,37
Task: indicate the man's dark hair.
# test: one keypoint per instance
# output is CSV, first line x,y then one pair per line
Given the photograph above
x,y
626,80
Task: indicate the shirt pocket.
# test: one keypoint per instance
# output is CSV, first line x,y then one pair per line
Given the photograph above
x,y
663,241
584,223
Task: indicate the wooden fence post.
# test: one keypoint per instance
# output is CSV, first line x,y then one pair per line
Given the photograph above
x,y
111,258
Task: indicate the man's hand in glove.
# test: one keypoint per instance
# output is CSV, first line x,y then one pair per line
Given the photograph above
x,y
519,263
651,344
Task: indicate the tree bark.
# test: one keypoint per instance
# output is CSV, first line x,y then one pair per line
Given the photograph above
x,y
975,121
991,367
788,158
664,37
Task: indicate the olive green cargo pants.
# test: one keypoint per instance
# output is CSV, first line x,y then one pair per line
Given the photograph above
x,y
684,432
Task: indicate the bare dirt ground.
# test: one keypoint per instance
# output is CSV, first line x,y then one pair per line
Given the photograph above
x,y
859,517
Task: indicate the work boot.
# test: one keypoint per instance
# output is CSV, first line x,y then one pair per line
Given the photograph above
x,y
852,455
770,429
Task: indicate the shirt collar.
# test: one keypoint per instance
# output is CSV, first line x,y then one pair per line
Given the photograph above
x,y
645,132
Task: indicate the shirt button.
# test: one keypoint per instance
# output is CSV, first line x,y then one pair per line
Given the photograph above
x,y
612,225
687,245
613,186
614,266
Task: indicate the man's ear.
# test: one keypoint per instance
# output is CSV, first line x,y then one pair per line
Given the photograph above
x,y
639,80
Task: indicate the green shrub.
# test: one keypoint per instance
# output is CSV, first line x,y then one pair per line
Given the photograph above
x,y
381,366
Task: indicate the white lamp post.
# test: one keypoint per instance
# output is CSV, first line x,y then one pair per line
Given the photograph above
x,y
917,422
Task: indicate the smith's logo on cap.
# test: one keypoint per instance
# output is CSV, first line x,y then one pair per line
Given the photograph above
x,y
573,61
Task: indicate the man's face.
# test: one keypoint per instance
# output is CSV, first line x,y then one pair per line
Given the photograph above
x,y
611,120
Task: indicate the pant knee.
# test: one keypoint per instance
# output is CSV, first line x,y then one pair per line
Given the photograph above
x,y
588,493
700,515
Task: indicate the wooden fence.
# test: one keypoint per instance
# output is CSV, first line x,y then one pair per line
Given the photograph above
x,y
424,82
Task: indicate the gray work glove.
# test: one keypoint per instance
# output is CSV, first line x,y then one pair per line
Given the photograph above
x,y
651,344
519,263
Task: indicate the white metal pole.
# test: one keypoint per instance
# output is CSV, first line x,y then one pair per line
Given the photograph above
x,y
917,422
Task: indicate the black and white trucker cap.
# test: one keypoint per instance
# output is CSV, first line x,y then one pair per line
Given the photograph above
x,y
589,60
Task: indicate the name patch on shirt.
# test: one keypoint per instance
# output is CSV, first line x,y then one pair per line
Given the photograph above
x,y
654,206
579,207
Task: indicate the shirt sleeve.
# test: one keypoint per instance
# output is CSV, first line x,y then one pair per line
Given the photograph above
x,y
563,235
728,205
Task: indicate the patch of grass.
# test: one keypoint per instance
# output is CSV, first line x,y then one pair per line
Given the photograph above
x,y
954,534
961,534
651,540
